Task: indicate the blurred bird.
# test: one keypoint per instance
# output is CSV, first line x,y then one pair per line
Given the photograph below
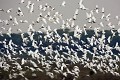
x,y
63,4
81,5
29,4
2,10
22,1
9,10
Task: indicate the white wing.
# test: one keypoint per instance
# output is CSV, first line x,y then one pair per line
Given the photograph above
x,y
63,3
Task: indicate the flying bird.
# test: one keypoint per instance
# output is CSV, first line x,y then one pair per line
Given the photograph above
x,y
23,21
103,10
11,18
76,11
22,1
81,5
15,21
101,24
3,28
29,4
9,32
63,4
9,10
32,8
2,10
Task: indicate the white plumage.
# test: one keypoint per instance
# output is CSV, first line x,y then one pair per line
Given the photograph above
x,y
22,1
63,3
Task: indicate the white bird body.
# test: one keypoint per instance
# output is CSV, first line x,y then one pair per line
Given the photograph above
x,y
32,69
116,46
19,9
44,20
1,21
40,7
88,15
23,61
9,57
3,28
37,0
49,28
10,44
74,17
109,39
2,10
11,18
15,21
118,23
82,5
117,17
94,71
9,31
38,20
23,21
32,8
57,20
101,24
22,1
103,16
108,15
6,22
118,31
18,66
50,74
44,9
85,32
63,4
28,5
30,28
103,10
33,63
76,11
72,24
94,19
21,13
34,45
97,9
9,10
